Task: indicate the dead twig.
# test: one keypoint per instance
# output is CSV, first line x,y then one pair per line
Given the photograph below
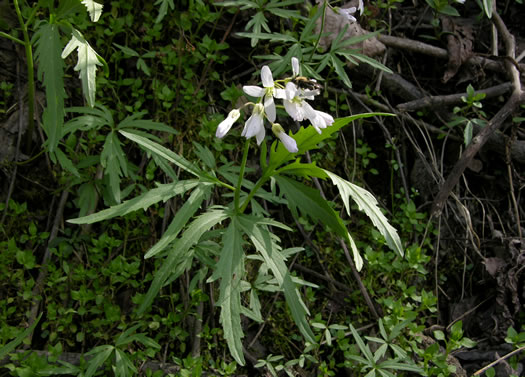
x,y
495,123
452,99
499,360
42,275
440,53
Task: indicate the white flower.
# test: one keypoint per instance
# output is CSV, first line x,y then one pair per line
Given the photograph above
x,y
255,124
268,92
295,66
361,7
295,104
289,142
227,123
321,120
348,12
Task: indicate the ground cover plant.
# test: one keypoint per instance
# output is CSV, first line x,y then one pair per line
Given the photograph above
x,y
261,187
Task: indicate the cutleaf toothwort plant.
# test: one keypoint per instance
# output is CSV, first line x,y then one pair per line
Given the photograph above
x,y
243,228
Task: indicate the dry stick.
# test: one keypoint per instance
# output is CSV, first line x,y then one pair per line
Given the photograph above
x,y
440,53
447,100
362,287
477,142
495,123
477,373
508,161
316,274
42,275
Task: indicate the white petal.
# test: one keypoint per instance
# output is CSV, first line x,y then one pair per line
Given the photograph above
x,y
293,110
328,119
289,142
295,65
253,126
254,91
227,123
279,93
266,77
269,108
290,91
223,128
361,7
309,111
309,93
260,135
348,13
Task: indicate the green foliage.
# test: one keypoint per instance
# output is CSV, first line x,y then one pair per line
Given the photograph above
x,y
196,216
122,363
301,41
465,113
443,7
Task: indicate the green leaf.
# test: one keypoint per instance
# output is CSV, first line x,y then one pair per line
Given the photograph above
x,y
134,121
101,355
126,50
449,10
165,153
487,7
87,63
123,365
269,36
467,133
439,335
94,9
368,204
181,219
163,9
230,269
396,365
66,163
160,193
372,62
189,238
262,240
51,73
11,346
310,203
205,155
303,170
340,70
308,139
114,162
125,336
364,349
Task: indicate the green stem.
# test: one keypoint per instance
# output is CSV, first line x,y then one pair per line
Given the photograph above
x,y
30,79
321,32
10,37
252,193
241,174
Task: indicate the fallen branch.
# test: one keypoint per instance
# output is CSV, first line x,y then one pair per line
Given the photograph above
x,y
441,53
452,99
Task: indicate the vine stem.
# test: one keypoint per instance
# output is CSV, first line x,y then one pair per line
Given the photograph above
x,y
30,79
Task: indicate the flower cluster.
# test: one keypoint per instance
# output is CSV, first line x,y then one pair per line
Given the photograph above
x,y
294,98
